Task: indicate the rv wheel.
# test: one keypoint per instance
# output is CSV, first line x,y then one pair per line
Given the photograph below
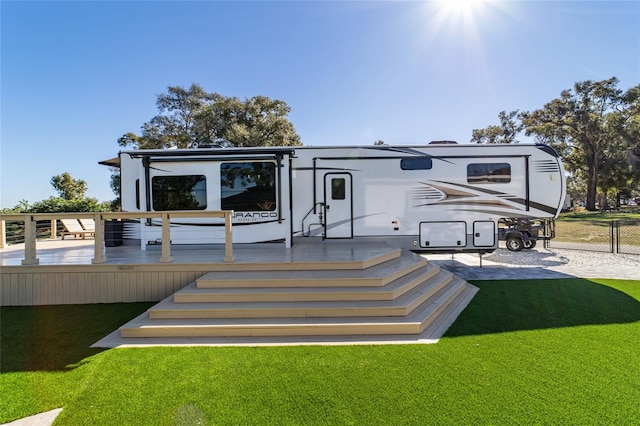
x,y
515,244
529,244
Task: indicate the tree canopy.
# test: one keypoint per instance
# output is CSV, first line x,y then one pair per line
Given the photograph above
x,y
68,187
506,132
189,118
595,127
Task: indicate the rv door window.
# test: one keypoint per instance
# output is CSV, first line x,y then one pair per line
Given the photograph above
x,y
179,192
416,163
338,189
489,173
248,187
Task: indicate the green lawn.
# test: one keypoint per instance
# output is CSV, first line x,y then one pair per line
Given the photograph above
x,y
595,227
585,232
525,352
627,213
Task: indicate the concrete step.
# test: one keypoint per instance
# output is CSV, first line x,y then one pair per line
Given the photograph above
x,y
393,290
401,306
378,275
445,301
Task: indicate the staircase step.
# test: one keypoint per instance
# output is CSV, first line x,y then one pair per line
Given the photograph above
x,y
440,301
378,275
415,323
393,290
449,314
397,307
336,257
386,294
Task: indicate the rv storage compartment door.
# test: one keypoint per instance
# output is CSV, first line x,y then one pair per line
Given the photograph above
x,y
484,233
443,234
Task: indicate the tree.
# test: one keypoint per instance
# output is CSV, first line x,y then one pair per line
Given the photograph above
x,y
189,118
60,205
69,188
628,121
584,126
258,121
23,206
510,126
116,185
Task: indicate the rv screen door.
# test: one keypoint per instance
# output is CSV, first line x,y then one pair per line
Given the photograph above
x,y
338,205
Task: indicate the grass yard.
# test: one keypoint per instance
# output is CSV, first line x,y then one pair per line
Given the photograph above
x,y
527,352
584,232
627,213
595,227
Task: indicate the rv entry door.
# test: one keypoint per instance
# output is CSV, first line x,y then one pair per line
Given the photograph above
x,y
338,205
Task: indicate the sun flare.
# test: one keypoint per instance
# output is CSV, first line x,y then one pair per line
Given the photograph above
x,y
457,32
463,16
461,8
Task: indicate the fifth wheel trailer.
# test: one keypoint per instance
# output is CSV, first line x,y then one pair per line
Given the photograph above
x,y
432,198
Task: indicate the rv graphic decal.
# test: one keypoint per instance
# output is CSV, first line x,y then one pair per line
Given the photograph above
x,y
254,216
432,194
437,193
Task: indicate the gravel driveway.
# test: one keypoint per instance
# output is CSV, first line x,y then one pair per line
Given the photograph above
x,y
541,263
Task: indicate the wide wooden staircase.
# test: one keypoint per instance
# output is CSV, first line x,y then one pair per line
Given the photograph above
x,y
394,296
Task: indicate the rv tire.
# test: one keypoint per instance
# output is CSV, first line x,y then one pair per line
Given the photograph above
x,y
515,243
529,244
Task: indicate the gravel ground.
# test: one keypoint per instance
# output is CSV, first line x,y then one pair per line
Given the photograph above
x,y
541,263
560,257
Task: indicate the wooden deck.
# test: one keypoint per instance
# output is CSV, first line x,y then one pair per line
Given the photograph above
x,y
66,275
340,292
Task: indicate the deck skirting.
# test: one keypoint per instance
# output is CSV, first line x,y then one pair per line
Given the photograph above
x,y
66,274
78,284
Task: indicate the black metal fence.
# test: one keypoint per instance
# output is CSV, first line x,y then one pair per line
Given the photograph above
x,y
628,236
616,236
15,230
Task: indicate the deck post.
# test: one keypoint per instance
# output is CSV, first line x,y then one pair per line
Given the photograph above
x,y
98,251
228,237
3,234
30,242
166,239
54,229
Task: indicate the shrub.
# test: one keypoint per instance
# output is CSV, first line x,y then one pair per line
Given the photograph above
x,y
60,205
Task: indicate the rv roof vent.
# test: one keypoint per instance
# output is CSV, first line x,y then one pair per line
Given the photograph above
x,y
442,142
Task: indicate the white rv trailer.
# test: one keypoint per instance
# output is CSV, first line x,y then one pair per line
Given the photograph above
x,y
435,198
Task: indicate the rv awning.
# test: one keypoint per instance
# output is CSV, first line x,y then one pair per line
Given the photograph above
x,y
112,162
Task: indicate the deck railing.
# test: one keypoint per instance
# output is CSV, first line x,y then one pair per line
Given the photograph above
x,y
30,219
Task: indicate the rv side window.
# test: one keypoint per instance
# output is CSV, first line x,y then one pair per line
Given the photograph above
x,y
338,189
248,187
489,173
179,192
416,163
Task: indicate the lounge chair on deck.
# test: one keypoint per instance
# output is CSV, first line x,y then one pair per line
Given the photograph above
x,y
73,227
88,225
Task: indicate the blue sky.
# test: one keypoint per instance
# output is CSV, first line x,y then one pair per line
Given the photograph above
x,y
78,75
